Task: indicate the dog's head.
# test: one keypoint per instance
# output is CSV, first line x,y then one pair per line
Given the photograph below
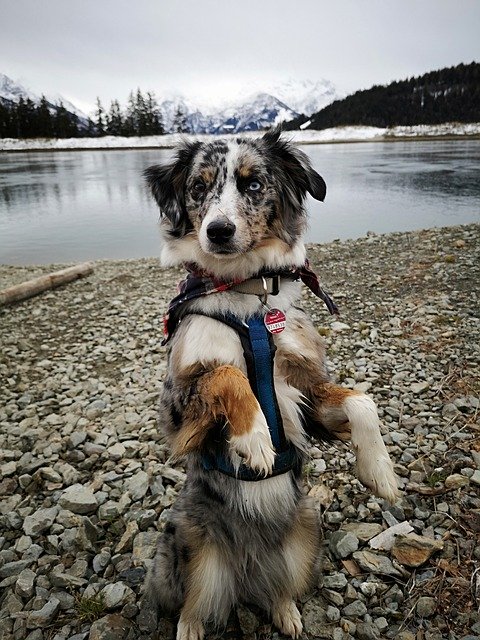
x,y
225,200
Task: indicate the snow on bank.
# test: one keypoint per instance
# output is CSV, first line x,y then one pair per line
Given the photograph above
x,y
337,134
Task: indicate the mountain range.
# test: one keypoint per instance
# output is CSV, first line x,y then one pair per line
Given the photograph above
x,y
260,107
11,92
265,106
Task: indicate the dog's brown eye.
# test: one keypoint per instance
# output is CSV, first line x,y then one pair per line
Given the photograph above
x,y
254,185
199,187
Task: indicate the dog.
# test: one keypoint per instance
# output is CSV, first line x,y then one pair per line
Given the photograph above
x,y
242,530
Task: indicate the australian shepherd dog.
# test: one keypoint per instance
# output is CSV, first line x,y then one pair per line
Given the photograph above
x,y
242,529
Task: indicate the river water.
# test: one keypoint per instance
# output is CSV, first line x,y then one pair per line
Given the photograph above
x,y
82,205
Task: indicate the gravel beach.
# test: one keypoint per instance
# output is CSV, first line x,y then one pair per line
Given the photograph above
x,y
86,482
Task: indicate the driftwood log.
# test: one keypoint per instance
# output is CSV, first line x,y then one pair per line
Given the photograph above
x,y
43,283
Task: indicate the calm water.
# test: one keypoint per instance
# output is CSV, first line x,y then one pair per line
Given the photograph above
x,y
72,206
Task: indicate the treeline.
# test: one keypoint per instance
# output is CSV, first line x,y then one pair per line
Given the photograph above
x,y
140,117
447,95
25,119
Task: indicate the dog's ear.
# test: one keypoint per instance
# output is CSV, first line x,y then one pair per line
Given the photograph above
x,y
167,184
295,165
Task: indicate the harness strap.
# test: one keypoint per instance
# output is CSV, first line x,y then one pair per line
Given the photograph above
x,y
263,350
259,350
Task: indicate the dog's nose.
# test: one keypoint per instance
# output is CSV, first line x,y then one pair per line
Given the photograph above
x,y
220,231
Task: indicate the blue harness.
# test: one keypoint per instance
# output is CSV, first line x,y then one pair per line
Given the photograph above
x,y
259,351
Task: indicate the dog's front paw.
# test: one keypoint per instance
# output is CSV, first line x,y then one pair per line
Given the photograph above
x,y
287,618
188,630
255,446
375,470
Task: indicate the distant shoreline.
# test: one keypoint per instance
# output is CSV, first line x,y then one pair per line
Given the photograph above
x,y
338,135
310,142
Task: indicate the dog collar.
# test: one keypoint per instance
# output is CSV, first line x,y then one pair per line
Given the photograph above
x,y
259,286
199,283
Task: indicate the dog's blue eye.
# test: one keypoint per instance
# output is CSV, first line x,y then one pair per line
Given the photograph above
x,y
254,185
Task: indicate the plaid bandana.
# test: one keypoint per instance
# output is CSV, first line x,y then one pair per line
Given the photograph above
x,y
199,283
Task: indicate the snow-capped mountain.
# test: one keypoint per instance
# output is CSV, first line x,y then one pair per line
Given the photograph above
x,y
11,91
305,96
260,111
256,107
256,112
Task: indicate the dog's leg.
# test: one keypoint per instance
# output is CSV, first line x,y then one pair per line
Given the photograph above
x,y
209,594
341,412
287,618
225,394
192,630
301,555
336,405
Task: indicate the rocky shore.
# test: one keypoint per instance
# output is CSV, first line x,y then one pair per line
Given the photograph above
x,y
86,482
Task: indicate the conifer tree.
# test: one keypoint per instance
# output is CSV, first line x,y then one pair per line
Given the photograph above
x,y
100,118
44,119
130,121
114,119
141,115
180,124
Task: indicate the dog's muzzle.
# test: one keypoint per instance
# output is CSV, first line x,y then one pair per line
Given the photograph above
x,y
221,231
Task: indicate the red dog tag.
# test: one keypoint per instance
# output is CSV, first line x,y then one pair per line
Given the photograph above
x,y
275,320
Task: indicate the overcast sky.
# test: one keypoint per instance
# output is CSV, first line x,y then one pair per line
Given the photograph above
x,y
105,48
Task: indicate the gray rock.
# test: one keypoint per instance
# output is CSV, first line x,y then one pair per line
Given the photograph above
x,y
333,517
315,619
40,521
334,581
355,609
368,631
342,543
64,580
116,451
101,561
79,499
76,438
426,607
116,595
126,541
333,614
111,627
45,615
475,477
14,568
137,485
108,510
381,623
338,326
334,597
146,518
375,563
10,605
144,546
25,583
364,531
79,569
419,387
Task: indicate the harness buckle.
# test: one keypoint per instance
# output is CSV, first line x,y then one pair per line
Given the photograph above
x,y
264,296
